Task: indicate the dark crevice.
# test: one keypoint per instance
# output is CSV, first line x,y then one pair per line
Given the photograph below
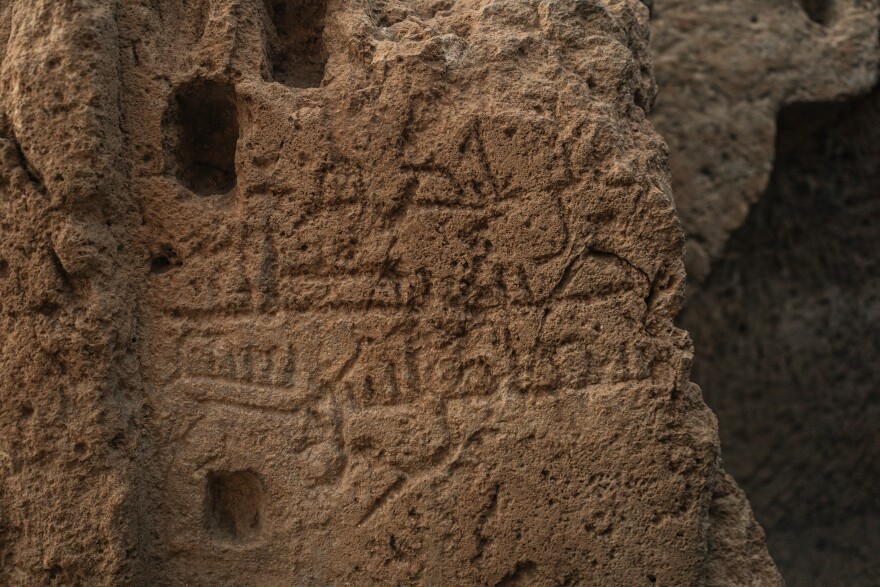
x,y
488,512
59,269
47,308
523,573
202,135
787,333
297,54
31,173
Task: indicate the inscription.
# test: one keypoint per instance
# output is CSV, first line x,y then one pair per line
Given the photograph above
x,y
226,358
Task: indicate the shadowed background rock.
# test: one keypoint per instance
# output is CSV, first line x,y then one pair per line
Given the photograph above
x,y
347,292
769,104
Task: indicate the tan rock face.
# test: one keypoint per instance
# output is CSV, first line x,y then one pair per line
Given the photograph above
x,y
347,292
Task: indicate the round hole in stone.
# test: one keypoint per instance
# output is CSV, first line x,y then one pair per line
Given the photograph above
x,y
234,503
164,261
819,11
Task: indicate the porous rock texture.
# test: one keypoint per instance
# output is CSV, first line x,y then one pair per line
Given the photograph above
x,y
788,326
347,292
769,105
726,70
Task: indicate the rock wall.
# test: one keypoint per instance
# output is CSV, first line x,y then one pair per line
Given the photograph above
x,y
68,368
767,105
347,293
726,69
788,327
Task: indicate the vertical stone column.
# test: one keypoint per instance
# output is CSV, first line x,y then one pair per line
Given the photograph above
x,y
69,386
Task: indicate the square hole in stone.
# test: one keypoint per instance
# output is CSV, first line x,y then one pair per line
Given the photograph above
x,y
296,47
234,505
202,135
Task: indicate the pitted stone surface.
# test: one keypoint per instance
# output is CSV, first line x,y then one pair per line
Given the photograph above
x,y
397,310
787,332
782,266
726,70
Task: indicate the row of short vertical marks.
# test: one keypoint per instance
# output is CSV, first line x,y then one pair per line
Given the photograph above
x,y
295,38
234,502
204,134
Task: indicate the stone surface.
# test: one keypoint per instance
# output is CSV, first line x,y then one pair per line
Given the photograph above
x,y
784,314
787,332
725,70
347,293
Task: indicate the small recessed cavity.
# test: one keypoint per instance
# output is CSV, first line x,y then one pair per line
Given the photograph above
x,y
202,136
164,261
819,11
234,503
295,37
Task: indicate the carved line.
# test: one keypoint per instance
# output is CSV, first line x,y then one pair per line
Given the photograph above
x,y
266,398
